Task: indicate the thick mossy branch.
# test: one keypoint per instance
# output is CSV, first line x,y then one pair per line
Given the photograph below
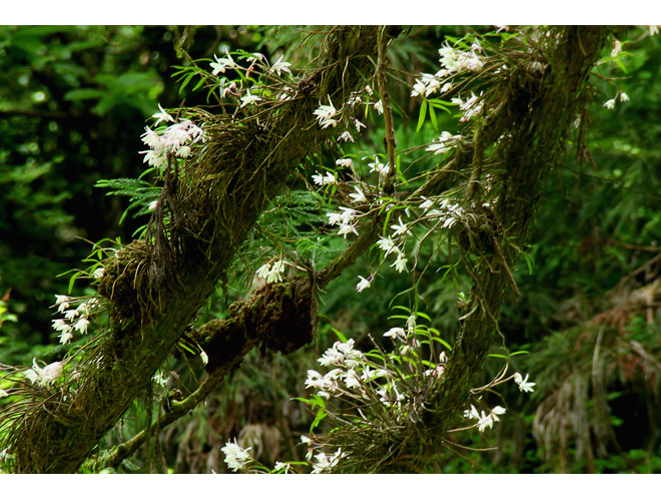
x,y
155,287
527,118
538,116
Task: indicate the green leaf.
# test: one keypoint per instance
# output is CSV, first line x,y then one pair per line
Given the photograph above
x,y
339,335
423,113
432,114
85,94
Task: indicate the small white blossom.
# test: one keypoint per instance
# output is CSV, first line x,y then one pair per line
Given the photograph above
x,y
523,383
400,228
204,357
358,125
386,244
617,48
249,98
624,96
363,284
378,106
610,103
3,393
325,114
345,229
71,314
66,337
236,457
400,263
286,466
358,196
321,180
46,375
60,325
345,137
98,272
151,138
395,332
426,203
222,64
281,66
162,116
272,273
81,325
419,89
346,162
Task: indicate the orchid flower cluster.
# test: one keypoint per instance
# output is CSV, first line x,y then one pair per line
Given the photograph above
x,y
454,61
74,319
175,139
257,65
238,458
272,271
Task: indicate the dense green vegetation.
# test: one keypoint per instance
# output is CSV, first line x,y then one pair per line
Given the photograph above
x,y
74,102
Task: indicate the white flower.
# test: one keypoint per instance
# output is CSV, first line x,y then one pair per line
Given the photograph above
x,y
272,273
400,228
624,96
523,383
345,229
81,325
419,89
154,158
484,422
235,456
442,358
346,162
363,284
222,64
3,393
358,196
379,107
46,375
275,275
151,138
71,314
400,263
321,180
386,244
281,66
65,337
204,357
98,272
162,116
653,29
279,466
183,151
617,48
378,167
498,411
325,114
59,300
306,440
249,98
60,325
610,103
345,137
471,413
426,203
358,125
395,332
